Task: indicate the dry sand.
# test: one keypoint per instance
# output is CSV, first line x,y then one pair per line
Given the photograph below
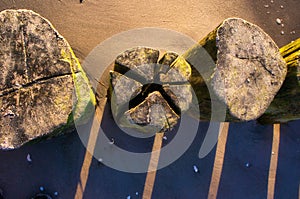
x,y
57,162
88,24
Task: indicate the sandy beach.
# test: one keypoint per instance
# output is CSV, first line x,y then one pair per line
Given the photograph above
x,y
57,163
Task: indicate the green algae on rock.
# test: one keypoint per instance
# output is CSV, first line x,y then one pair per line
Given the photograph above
x,y
39,74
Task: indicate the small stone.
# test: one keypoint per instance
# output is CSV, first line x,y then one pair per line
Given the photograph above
x,y
278,21
272,1
165,138
112,141
55,193
247,165
282,25
136,193
196,170
248,80
128,197
266,6
281,6
29,158
268,12
100,162
42,188
282,32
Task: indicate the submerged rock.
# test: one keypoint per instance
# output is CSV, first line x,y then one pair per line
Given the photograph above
x,y
39,73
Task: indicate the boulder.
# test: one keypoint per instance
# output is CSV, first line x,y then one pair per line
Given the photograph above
x,y
43,89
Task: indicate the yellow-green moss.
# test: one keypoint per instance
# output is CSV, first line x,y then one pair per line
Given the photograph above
x,y
85,97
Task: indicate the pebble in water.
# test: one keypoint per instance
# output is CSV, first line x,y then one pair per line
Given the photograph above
x,y
112,141
42,188
196,170
29,158
278,21
100,161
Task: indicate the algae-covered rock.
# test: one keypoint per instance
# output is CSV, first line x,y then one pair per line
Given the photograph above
x,y
248,70
149,94
39,74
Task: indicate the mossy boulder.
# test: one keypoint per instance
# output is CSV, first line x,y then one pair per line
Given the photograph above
x,y
43,89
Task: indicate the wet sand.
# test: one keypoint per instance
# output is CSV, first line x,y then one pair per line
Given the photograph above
x,y
56,163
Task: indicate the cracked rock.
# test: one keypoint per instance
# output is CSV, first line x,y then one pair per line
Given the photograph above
x,y
262,64
148,94
39,73
249,69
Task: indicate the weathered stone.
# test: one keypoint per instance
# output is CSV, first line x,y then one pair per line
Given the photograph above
x,y
248,70
39,73
180,95
285,106
153,114
163,94
168,58
180,71
125,88
139,61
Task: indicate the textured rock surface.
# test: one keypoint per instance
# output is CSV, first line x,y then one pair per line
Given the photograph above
x,y
285,106
139,61
249,69
162,94
39,73
154,113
